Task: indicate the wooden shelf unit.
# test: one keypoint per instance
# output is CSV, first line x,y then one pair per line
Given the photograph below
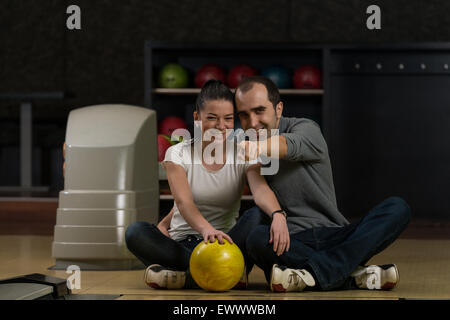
x,y
170,197
194,91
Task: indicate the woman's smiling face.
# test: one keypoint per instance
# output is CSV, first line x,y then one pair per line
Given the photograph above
x,y
216,114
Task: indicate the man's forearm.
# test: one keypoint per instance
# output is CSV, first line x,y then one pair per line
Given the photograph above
x,y
274,147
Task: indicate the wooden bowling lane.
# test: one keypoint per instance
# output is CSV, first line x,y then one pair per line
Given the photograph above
x,y
21,255
423,266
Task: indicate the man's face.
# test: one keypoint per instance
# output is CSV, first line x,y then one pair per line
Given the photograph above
x,y
255,110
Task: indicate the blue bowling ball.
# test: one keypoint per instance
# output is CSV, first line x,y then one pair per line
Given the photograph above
x,y
279,75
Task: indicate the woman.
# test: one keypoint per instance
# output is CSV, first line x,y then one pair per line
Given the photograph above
x,y
207,198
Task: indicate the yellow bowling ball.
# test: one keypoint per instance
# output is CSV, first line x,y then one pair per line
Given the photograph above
x,y
216,267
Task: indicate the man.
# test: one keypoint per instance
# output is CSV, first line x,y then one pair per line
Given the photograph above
x,y
322,250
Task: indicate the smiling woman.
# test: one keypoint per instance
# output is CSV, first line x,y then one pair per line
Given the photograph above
x,y
217,122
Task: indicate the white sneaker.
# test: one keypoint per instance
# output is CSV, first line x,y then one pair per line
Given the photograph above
x,y
159,277
284,279
384,277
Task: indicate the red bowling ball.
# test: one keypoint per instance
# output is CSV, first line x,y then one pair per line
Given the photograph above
x,y
307,77
169,124
163,145
209,72
238,73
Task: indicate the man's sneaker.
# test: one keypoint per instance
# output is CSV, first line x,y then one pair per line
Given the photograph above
x,y
284,279
373,277
159,277
243,281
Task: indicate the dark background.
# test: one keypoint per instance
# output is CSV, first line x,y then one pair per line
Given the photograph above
x,y
104,61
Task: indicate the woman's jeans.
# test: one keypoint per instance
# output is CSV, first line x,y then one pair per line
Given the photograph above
x,y
151,246
331,254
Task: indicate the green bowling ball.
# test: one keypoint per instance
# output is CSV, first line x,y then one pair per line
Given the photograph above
x,y
173,75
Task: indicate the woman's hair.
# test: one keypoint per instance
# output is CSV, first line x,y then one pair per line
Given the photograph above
x,y
213,90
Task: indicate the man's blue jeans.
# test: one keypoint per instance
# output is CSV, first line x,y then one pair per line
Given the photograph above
x,y
331,254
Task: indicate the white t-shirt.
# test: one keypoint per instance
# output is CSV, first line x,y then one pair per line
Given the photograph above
x,y
217,194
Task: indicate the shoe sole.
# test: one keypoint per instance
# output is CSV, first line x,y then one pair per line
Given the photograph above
x,y
153,284
276,287
391,285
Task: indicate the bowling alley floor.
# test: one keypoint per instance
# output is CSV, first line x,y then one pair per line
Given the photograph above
x,y
422,254
424,266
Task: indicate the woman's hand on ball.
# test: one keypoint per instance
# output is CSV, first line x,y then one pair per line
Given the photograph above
x,y
210,234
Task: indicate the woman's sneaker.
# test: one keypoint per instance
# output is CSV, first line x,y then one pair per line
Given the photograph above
x,y
384,277
284,279
159,277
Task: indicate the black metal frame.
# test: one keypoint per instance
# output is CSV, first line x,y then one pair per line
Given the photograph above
x,y
378,61
326,50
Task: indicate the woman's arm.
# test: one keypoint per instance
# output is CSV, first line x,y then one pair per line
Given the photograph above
x,y
262,194
182,195
266,200
164,224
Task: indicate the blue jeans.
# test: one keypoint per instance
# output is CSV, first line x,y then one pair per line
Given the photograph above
x,y
151,246
331,254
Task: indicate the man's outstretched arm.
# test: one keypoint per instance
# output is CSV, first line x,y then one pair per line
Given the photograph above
x,y
305,142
